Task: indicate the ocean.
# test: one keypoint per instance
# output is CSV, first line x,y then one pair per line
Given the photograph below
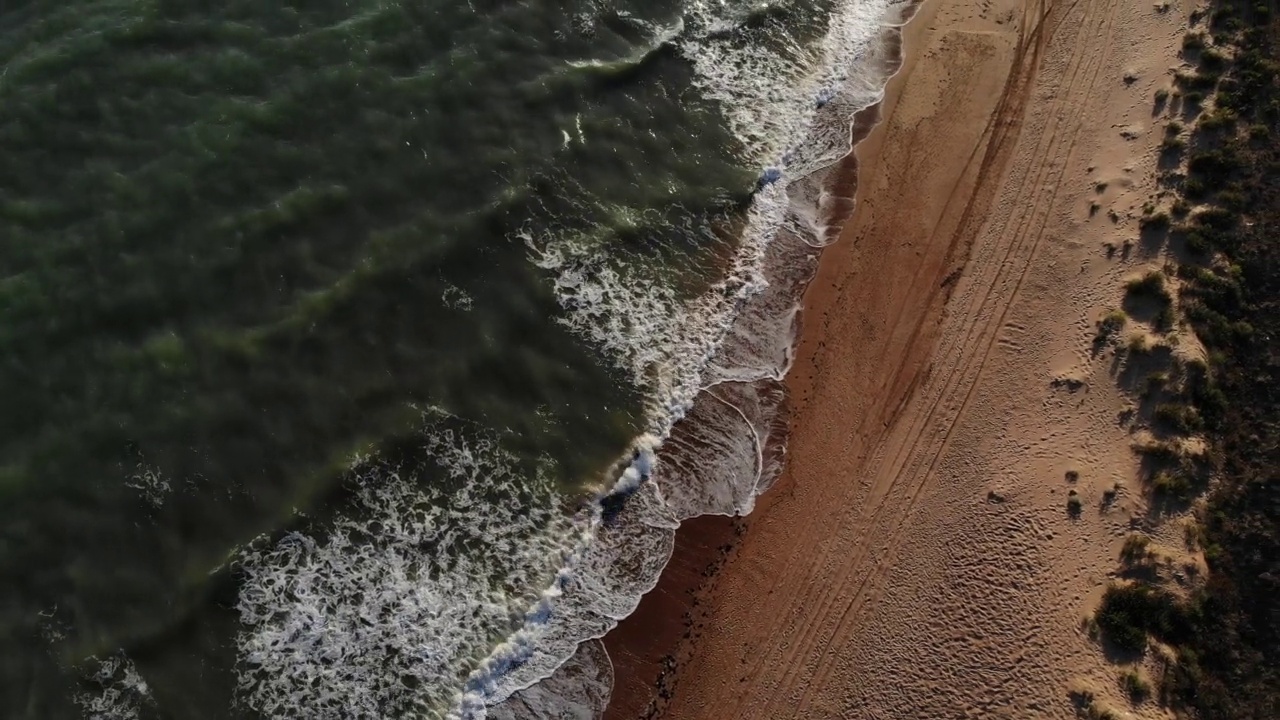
x,y
359,358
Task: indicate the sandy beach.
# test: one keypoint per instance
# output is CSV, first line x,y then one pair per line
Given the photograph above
x,y
918,558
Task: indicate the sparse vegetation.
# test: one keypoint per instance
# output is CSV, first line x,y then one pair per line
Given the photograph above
x,y
1129,613
1135,548
1135,685
1138,343
1111,323
1179,417
1173,484
1225,658
1088,707
1155,382
1219,119
1152,285
1212,60
1159,452
1110,495
1155,221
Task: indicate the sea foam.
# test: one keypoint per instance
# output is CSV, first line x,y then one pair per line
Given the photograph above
x,y
486,599
715,362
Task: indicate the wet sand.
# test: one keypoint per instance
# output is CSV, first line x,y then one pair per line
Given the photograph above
x,y
916,559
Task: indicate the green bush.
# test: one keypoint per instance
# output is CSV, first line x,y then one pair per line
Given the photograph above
x,y
1129,613
1219,119
1152,284
1173,484
1155,221
1213,59
1135,686
1135,548
1179,418
1111,323
1211,163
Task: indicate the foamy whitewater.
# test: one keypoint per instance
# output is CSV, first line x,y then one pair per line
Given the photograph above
x,y
484,598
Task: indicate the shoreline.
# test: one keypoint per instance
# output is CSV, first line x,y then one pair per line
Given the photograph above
x,y
644,646
925,552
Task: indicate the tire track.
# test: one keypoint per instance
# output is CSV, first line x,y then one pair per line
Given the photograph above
x,y
999,134
1020,251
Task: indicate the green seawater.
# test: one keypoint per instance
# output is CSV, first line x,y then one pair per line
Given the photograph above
x,y
241,242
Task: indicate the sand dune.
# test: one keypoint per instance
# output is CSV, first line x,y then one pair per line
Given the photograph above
x,y
918,559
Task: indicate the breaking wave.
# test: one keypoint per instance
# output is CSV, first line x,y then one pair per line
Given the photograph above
x,y
480,597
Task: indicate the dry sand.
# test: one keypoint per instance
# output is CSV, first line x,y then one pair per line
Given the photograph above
x,y
917,559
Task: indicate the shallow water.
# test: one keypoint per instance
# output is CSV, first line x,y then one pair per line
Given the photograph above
x,y
346,344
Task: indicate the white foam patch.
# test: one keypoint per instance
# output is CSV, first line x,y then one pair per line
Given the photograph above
x,y
149,483
118,691
389,613
578,690
791,106
479,600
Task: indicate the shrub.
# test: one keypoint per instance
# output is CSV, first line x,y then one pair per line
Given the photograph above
x,y
1128,613
1155,382
1219,119
1155,221
1111,323
1211,163
1110,494
1151,284
1213,59
1218,218
1173,484
1135,686
1160,452
1232,199
1197,243
1193,41
1135,548
1178,417
1138,344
